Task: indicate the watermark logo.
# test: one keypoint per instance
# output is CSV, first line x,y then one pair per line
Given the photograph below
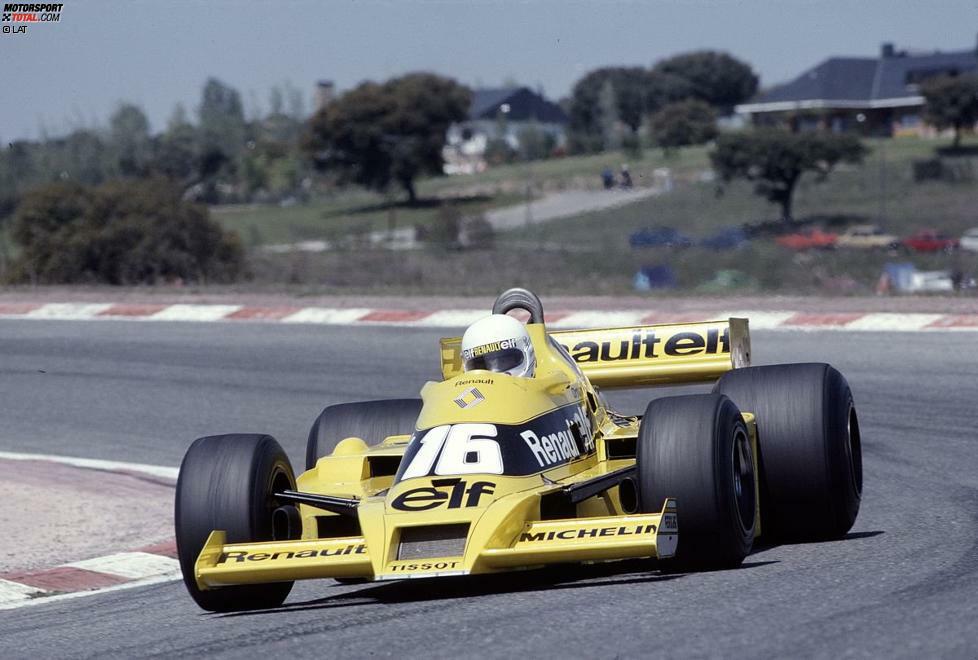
x,y
16,17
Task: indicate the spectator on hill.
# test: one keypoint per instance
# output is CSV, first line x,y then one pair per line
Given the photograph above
x,y
626,177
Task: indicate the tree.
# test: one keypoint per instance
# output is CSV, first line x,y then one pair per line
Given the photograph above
x,y
602,98
952,102
222,124
683,124
122,232
775,160
83,156
719,79
608,108
662,88
177,149
607,96
377,134
535,143
130,140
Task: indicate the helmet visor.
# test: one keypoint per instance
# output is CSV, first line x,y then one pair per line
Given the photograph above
x,y
497,361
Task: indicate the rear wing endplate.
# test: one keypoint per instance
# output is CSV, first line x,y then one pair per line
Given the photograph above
x,y
667,354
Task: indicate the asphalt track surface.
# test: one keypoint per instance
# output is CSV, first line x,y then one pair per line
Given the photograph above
x,y
903,584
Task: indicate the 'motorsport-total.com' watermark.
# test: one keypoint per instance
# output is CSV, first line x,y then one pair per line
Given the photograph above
x,y
31,12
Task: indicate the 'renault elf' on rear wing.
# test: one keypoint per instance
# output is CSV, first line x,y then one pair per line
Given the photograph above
x,y
667,354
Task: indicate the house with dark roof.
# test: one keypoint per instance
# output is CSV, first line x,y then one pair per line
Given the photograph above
x,y
501,114
871,95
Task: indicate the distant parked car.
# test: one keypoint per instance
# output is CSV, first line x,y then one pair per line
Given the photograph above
x,y
867,237
931,281
930,240
728,238
808,239
658,237
969,240
905,278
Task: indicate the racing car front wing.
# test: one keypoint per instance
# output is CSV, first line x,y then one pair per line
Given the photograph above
x,y
539,542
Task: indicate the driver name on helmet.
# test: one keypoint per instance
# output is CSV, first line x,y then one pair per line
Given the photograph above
x,y
498,343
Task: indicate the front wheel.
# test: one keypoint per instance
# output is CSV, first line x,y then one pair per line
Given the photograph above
x,y
228,482
809,444
697,449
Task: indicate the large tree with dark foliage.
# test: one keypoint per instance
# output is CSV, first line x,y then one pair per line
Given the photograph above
x,y
222,127
717,78
122,232
683,124
775,160
130,140
635,91
378,134
952,102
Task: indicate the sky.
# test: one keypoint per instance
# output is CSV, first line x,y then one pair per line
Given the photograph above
x,y
157,52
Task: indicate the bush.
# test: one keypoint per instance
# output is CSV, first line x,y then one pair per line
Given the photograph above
x,y
124,232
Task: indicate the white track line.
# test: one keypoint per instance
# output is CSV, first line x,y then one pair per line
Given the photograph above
x,y
132,565
325,315
194,312
93,592
68,311
609,319
15,592
452,319
759,320
891,322
96,464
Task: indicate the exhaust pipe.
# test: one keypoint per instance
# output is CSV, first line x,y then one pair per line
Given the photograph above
x,y
628,495
286,523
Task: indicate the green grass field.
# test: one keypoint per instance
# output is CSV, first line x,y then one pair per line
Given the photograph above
x,y
883,192
360,211
347,213
880,191
589,253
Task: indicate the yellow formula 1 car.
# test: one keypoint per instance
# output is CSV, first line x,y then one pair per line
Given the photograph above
x,y
490,472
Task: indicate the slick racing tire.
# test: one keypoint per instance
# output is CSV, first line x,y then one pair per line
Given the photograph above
x,y
697,449
370,420
227,482
809,448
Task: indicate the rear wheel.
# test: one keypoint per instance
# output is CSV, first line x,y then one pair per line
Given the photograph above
x,y
370,420
697,449
228,482
810,453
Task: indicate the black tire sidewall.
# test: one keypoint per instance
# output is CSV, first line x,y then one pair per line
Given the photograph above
x,y
810,459
685,450
226,483
370,420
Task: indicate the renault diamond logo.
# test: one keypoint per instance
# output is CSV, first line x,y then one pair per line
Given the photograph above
x,y
470,397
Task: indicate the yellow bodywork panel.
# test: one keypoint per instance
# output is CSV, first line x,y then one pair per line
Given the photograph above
x,y
221,564
642,355
529,544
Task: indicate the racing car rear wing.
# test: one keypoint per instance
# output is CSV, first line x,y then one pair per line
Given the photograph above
x,y
667,354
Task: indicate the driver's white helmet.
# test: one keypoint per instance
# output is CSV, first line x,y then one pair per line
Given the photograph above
x,y
498,343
